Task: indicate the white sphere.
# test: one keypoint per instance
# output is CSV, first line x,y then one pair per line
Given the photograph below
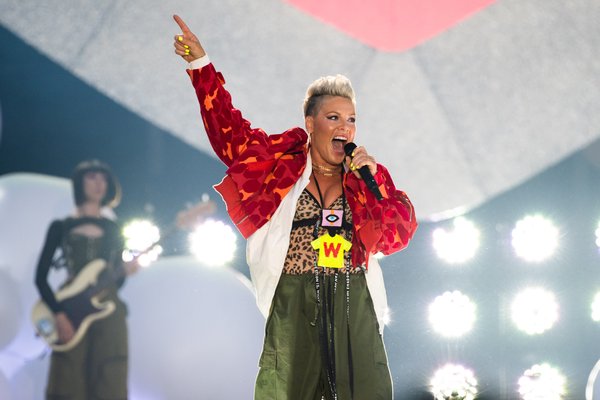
x,y
5,388
193,329
10,309
29,382
28,203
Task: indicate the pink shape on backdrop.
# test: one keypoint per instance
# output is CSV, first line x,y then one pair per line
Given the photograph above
x,y
391,25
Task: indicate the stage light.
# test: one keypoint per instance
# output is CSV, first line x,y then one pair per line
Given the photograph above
x,y
535,238
534,311
458,245
387,316
453,382
452,314
213,243
139,236
598,235
542,381
596,308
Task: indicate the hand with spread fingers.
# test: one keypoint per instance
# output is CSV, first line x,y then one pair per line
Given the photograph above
x,y
359,159
186,43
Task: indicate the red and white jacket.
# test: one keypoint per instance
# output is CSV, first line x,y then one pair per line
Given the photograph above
x,y
266,175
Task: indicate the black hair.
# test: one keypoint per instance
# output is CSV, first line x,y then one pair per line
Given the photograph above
x,y
113,189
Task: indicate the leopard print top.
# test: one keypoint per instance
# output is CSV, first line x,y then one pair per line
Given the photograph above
x,y
300,257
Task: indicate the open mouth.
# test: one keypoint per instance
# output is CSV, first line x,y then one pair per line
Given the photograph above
x,y
338,143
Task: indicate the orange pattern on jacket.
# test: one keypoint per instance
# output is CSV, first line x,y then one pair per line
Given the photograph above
x,y
263,168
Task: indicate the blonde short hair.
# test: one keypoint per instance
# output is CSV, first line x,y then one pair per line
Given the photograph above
x,y
333,85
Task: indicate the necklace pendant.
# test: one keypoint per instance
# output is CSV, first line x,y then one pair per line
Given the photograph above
x,y
332,218
331,250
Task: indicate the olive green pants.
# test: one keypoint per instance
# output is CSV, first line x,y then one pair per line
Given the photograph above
x,y
291,364
97,367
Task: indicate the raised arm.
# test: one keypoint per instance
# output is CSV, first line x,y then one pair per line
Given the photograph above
x,y
229,133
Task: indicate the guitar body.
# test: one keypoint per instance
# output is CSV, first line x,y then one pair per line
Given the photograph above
x,y
82,298
81,301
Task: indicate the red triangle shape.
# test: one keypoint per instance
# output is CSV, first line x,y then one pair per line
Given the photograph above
x,y
391,25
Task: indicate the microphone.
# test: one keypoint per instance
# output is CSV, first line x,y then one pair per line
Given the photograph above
x,y
364,172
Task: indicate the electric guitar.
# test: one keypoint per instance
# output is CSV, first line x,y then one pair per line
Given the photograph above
x,y
82,297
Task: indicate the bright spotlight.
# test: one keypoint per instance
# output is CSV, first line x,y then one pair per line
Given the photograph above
x,y
453,382
140,236
458,245
534,310
387,316
535,238
213,243
452,314
542,381
598,236
596,308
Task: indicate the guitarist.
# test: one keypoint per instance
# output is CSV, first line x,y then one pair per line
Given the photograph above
x,y
97,366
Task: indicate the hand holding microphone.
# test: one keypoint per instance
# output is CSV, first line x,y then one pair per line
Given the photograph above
x,y
359,156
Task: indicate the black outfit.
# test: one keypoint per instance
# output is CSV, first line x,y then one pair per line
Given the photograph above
x,y
96,368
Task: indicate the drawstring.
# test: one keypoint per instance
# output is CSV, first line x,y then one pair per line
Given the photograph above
x,y
350,364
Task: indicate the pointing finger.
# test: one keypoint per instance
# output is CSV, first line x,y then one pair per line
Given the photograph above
x,y
182,25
